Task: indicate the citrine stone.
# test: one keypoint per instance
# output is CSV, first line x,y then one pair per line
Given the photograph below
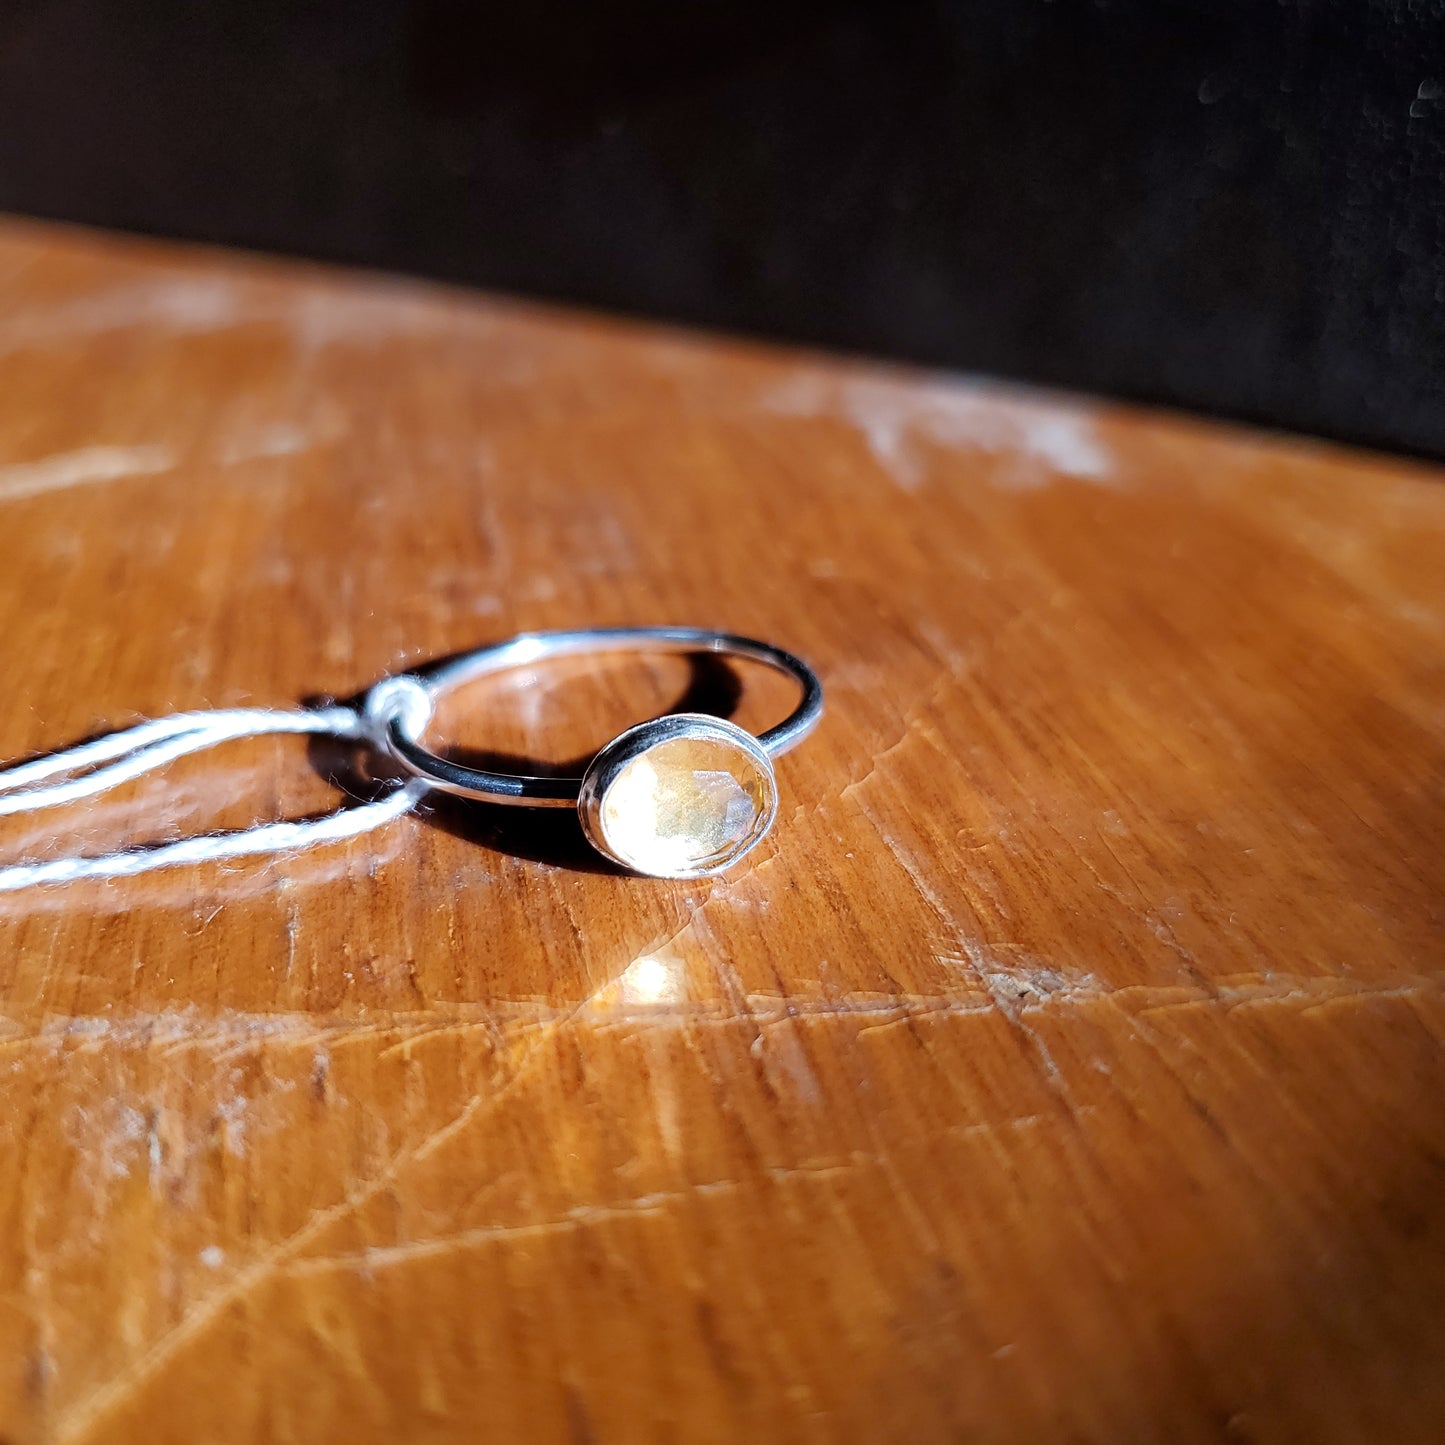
x,y
687,805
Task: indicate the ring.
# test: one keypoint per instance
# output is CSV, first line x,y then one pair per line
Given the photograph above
x,y
681,796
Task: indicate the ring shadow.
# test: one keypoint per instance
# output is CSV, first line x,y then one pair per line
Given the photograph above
x,y
543,835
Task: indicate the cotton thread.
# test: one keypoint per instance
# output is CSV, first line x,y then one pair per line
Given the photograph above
x,y
120,757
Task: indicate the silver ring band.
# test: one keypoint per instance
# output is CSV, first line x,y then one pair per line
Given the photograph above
x,y
401,707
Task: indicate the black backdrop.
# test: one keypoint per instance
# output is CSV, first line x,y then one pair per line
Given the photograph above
x,y
1237,207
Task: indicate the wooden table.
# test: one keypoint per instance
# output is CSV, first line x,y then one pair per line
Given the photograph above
x,y
1065,1066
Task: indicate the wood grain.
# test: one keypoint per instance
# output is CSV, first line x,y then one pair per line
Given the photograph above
x,y
1066,1066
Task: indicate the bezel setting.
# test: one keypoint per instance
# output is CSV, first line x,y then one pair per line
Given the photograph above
x,y
636,743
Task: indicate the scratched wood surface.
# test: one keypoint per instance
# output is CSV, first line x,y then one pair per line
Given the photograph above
x,y
1066,1066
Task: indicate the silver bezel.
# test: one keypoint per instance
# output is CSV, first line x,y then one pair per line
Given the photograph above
x,y
623,749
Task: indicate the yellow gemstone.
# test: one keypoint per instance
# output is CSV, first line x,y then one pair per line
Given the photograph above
x,y
686,805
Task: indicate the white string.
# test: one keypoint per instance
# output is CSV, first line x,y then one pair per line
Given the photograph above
x,y
125,755
139,749
20,775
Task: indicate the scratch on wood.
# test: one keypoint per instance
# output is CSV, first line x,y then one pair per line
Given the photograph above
x,y
581,1217
1023,987
85,466
1033,437
109,1397
1295,993
180,305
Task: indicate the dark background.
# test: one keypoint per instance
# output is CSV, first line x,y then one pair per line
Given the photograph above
x,y
1236,207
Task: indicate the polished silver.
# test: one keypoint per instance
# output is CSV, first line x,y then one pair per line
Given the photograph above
x,y
400,708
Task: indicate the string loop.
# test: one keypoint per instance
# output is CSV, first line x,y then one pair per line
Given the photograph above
x,y
108,762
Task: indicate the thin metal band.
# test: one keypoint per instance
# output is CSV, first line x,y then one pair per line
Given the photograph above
x,y
403,705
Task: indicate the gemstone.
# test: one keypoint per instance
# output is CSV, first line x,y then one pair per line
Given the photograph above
x,y
688,804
